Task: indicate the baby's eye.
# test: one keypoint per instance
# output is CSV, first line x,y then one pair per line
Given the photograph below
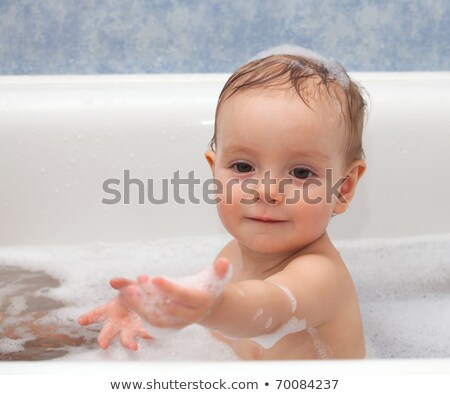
x,y
302,173
242,167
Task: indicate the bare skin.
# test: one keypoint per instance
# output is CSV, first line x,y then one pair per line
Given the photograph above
x,y
341,336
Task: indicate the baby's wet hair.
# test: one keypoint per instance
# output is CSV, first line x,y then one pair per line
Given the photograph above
x,y
309,74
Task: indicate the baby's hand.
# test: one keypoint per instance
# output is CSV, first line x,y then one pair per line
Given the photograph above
x,y
119,320
176,303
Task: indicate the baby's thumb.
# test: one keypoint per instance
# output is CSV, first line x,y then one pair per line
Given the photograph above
x,y
221,267
119,282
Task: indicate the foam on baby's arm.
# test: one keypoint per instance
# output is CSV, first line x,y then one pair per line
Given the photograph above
x,y
292,325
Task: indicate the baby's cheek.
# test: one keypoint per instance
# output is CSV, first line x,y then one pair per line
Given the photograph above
x,y
293,193
228,217
234,193
230,207
314,195
303,194
316,203
230,201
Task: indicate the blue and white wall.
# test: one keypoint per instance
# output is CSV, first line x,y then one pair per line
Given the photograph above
x,y
154,36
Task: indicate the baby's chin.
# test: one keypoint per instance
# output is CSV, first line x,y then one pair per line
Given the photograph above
x,y
267,245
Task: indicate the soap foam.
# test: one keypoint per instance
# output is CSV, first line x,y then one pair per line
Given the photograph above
x,y
205,279
318,344
336,71
293,325
258,313
11,346
289,294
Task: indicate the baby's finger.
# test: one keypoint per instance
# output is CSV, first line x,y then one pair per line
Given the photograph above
x,y
92,316
127,339
221,267
108,332
181,294
144,334
120,282
143,278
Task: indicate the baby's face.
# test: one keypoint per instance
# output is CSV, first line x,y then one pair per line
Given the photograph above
x,y
260,132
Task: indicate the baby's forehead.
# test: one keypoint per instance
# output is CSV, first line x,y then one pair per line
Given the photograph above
x,y
284,103
325,102
312,91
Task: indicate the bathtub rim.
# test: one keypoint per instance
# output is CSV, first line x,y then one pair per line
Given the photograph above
x,y
192,77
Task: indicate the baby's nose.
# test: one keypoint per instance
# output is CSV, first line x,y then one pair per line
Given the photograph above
x,y
269,190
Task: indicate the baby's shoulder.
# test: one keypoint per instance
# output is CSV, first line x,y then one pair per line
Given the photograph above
x,y
319,281
315,263
314,274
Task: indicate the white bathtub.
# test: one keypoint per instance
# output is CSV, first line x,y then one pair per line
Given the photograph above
x,y
62,136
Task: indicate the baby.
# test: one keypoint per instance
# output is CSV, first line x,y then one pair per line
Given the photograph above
x,y
287,155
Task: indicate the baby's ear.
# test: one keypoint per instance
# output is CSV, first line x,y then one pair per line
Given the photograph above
x,y
211,158
348,187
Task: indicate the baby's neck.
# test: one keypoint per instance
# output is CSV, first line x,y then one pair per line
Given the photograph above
x,y
260,265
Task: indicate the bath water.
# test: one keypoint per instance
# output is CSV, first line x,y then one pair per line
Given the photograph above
x,y
403,286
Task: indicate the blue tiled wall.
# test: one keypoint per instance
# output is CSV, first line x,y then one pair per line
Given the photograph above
x,y
146,36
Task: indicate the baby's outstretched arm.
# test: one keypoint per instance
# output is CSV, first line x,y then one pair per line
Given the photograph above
x,y
247,309
117,319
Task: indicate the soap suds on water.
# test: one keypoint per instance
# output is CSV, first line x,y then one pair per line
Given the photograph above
x,y
11,345
402,284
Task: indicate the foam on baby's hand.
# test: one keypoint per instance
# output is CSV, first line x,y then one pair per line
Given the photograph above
x,y
205,280
152,302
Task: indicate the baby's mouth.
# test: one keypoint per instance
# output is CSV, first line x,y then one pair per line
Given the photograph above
x,y
266,220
